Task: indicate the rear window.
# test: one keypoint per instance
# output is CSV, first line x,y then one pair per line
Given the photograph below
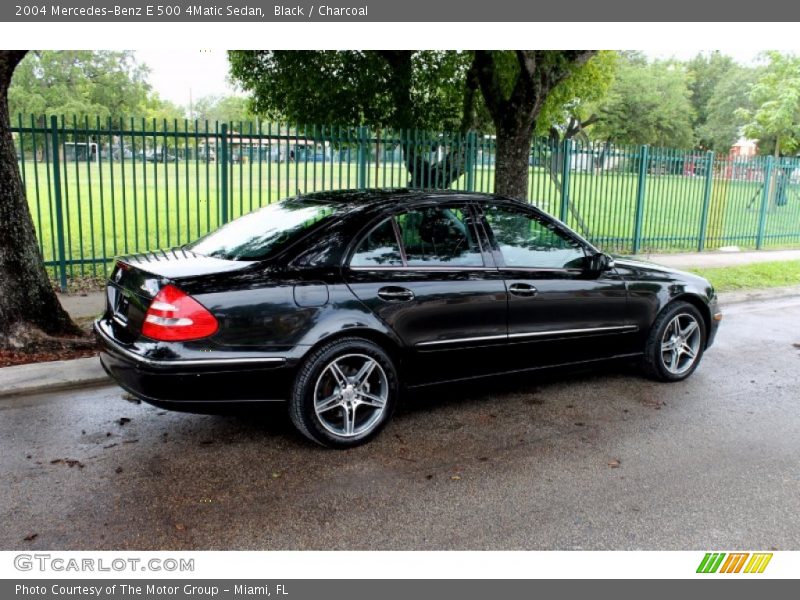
x,y
263,232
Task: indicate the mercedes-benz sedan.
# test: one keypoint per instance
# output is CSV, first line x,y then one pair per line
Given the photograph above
x,y
335,302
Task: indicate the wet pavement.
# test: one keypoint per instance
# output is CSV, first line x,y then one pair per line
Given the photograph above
x,y
599,460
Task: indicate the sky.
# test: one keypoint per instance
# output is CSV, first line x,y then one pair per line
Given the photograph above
x,y
177,74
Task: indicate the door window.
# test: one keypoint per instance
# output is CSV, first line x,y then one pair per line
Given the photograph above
x,y
526,241
379,248
439,237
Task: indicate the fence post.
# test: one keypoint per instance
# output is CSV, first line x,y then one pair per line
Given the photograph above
x,y
762,216
472,155
62,256
363,136
640,191
223,165
706,200
566,150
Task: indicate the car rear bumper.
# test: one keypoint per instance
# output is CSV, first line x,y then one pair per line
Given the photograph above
x,y
193,384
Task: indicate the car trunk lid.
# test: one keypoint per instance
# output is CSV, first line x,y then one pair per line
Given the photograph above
x,y
136,280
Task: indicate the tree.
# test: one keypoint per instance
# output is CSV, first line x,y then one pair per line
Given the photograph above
x,y
515,94
399,90
723,123
28,304
705,74
435,90
648,103
223,109
80,83
775,120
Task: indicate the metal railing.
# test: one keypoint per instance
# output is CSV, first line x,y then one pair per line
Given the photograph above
x,y
98,190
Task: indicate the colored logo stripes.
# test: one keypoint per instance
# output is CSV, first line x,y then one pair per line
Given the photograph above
x,y
734,562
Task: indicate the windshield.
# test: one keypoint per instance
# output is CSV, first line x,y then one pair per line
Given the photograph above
x,y
256,235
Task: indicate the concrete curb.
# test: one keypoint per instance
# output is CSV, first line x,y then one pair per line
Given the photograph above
x,y
45,377
726,298
39,378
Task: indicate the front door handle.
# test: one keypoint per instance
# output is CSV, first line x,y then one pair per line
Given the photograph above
x,y
522,289
395,294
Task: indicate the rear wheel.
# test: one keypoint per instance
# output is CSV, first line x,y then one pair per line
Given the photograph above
x,y
675,344
344,393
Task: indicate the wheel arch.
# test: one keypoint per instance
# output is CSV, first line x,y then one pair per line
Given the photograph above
x,y
698,303
390,345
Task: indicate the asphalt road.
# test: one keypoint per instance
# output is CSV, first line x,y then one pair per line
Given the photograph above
x,y
596,461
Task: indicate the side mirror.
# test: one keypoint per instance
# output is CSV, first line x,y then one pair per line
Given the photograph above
x,y
600,262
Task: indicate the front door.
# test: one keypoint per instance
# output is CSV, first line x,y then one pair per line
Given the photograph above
x,y
559,312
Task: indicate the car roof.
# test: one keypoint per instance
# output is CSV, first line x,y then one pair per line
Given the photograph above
x,y
383,196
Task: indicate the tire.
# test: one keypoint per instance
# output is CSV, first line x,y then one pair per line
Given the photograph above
x,y
675,343
344,393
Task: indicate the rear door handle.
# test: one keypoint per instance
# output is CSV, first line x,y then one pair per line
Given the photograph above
x,y
522,289
395,294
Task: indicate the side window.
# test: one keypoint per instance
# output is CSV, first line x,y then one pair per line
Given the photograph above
x,y
379,248
528,242
436,236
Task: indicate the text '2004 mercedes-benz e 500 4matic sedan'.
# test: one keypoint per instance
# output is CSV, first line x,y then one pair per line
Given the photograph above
x,y
335,302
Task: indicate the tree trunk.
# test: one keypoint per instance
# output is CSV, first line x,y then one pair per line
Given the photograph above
x,y
514,115
27,300
511,161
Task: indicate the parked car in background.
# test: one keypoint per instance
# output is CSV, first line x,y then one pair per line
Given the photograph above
x,y
334,302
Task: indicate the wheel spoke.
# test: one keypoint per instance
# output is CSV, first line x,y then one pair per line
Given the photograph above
x,y
690,329
673,362
688,351
666,346
371,400
338,374
364,372
328,403
349,419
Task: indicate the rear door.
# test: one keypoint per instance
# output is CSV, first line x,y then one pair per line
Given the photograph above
x,y
558,310
426,272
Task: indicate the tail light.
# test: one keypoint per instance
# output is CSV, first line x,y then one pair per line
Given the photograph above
x,y
174,316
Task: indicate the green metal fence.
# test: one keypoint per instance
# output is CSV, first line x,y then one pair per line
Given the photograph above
x,y
102,189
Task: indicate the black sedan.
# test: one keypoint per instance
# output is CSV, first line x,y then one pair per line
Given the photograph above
x,y
335,302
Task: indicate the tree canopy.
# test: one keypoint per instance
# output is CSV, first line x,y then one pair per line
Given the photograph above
x,y
775,116
647,103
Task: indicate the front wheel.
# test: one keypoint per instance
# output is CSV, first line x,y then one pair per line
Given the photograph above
x,y
344,393
675,344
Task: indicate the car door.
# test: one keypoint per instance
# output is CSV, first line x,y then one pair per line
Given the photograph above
x,y
426,273
559,310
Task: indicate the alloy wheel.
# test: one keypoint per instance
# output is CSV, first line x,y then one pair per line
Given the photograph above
x,y
680,344
350,395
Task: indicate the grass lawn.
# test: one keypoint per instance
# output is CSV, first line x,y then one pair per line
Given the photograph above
x,y
112,209
756,275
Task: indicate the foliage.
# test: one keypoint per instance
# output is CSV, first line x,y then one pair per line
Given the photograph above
x,y
353,87
776,97
576,96
647,103
222,109
723,124
81,83
705,74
